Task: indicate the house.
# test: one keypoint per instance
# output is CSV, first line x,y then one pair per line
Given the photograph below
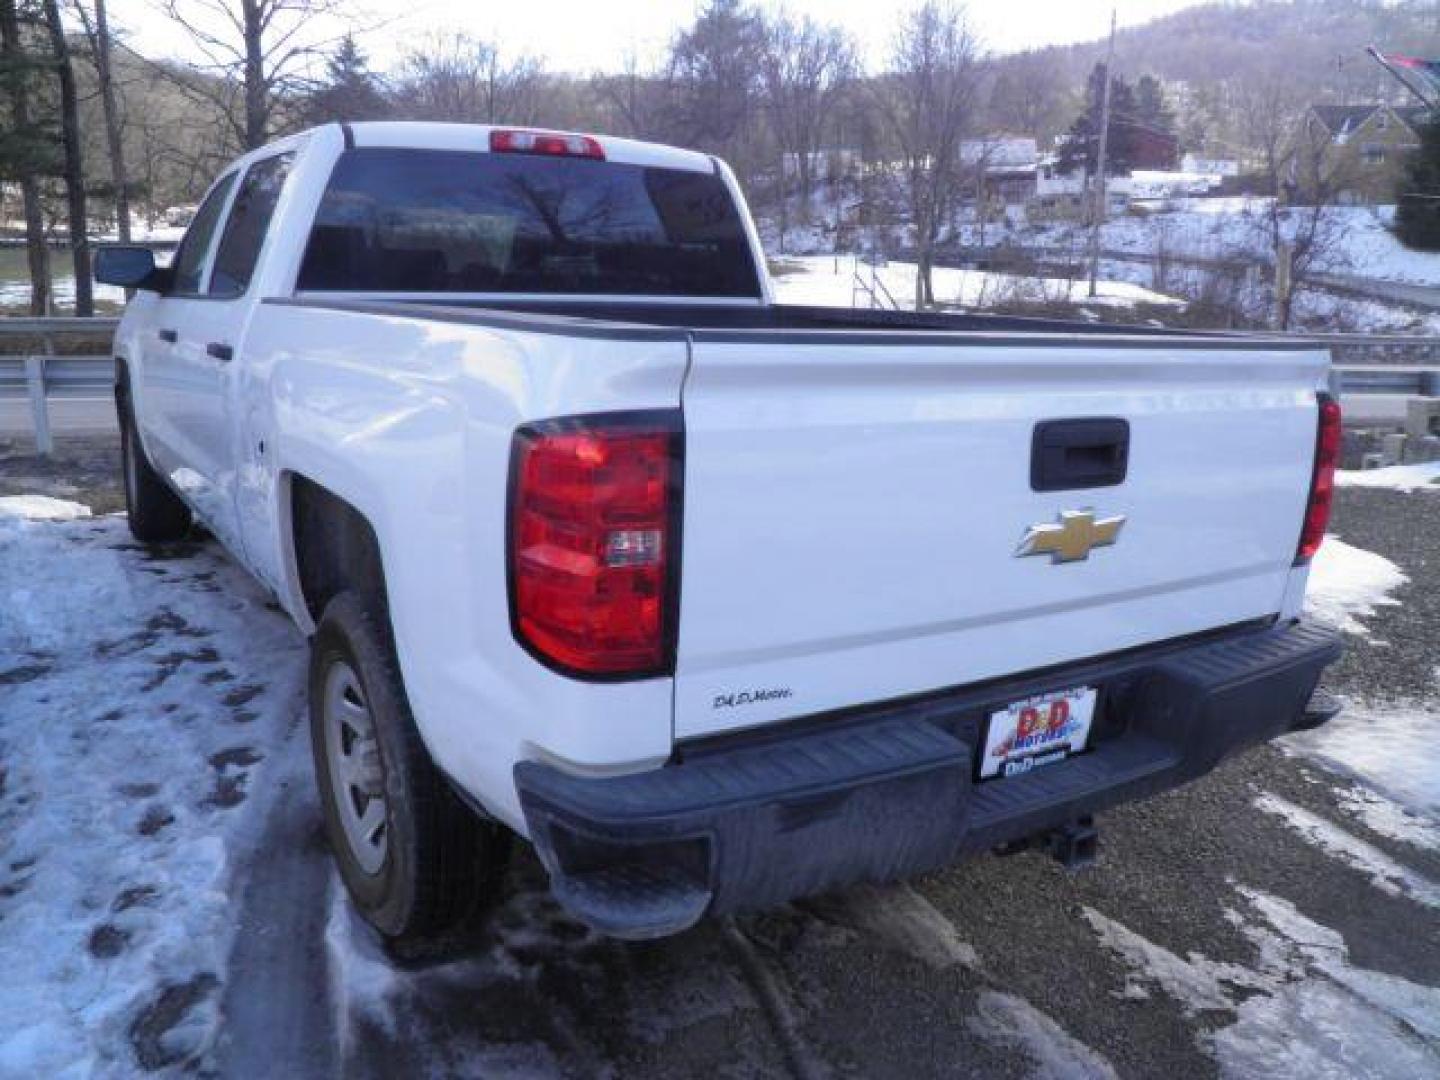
x,y
1359,150
1004,164
1150,149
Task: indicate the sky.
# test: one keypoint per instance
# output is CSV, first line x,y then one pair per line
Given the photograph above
x,y
589,35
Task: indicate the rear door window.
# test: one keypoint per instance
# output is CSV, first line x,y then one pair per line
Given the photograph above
x,y
247,225
395,220
190,258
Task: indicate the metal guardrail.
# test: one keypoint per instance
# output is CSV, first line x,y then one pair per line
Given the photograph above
x,y
1389,379
51,374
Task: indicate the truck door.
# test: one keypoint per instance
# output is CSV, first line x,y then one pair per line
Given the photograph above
x,y
167,386
207,326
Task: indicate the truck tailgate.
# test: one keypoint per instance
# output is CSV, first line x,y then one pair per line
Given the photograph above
x,y
855,505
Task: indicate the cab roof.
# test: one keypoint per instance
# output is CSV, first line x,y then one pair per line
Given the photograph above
x,y
432,135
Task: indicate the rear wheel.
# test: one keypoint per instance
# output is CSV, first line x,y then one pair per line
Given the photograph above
x,y
418,864
155,512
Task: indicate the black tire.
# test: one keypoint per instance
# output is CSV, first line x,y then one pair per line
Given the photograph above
x,y
155,512
442,865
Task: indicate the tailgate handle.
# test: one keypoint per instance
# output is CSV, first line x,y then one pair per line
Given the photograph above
x,y
1066,455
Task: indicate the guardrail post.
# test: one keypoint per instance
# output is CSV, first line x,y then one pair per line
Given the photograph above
x,y
40,415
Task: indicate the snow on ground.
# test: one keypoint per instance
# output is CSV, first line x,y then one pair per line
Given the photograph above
x,y
1348,583
1315,309
1227,227
62,290
41,508
830,281
1301,1010
1371,249
1389,818
1006,1020
1392,748
150,703
1385,873
1403,478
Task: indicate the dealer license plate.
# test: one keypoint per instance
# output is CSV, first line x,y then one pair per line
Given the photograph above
x,y
1038,731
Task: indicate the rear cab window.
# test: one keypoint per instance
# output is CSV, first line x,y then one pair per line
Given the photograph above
x,y
440,221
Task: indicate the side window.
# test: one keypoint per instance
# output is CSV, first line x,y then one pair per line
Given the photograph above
x,y
249,219
190,257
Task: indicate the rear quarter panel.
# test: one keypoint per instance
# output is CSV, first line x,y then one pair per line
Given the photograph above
x,y
410,420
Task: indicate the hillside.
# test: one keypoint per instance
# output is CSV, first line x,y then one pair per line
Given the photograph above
x,y
1317,46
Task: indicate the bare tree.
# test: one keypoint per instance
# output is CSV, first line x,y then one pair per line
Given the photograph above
x,y
23,153
713,82
1029,94
635,97
1298,226
804,70
928,95
78,218
96,25
457,77
254,51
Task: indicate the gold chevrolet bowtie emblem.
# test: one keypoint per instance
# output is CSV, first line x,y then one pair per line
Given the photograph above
x,y
1072,539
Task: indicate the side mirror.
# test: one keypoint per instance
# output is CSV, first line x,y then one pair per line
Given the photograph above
x,y
130,268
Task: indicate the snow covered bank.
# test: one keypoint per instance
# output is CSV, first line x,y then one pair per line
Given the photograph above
x,y
1230,227
829,281
149,702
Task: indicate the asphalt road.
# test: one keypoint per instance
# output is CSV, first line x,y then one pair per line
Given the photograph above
x,y
1159,961
68,416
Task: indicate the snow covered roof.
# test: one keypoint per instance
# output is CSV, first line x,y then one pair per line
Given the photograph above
x,y
1341,121
1000,150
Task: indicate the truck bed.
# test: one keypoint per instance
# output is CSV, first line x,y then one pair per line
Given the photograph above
x,y
626,318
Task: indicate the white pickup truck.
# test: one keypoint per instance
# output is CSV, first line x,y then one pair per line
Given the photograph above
x,y
717,602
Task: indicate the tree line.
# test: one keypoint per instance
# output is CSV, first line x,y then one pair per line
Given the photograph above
x,y
97,137
89,117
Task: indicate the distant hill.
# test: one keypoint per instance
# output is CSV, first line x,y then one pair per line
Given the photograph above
x,y
1320,44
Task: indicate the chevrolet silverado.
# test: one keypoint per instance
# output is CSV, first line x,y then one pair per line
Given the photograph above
x,y
715,601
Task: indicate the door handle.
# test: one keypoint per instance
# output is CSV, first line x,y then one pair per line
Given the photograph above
x,y
168,335
223,353
1071,455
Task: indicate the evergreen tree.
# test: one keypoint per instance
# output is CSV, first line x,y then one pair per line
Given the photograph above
x,y
713,81
350,91
27,145
1081,144
1151,108
1417,214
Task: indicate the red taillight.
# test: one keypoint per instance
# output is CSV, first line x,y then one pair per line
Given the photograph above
x,y
510,141
1322,480
593,509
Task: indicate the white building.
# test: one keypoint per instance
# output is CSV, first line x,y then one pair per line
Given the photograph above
x,y
1193,163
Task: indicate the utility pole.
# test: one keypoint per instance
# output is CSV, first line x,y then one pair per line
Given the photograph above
x,y
1097,213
